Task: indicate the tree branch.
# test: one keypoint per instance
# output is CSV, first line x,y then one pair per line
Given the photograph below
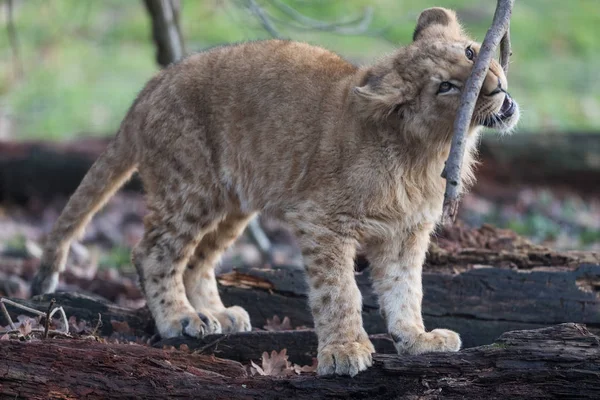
x,y
165,30
12,39
452,171
264,19
349,26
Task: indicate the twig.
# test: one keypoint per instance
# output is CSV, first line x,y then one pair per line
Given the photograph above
x,y
452,170
264,19
22,307
260,239
211,344
7,315
49,315
359,26
47,322
12,38
98,325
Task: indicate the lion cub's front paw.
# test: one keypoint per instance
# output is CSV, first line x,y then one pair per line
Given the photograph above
x,y
233,319
438,340
193,324
345,358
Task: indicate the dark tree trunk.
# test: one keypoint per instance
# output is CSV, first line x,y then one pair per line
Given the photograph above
x,y
45,170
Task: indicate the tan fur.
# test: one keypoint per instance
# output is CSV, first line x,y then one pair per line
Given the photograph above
x,y
345,155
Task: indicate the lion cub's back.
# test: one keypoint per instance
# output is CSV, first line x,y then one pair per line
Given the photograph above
x,y
253,109
262,73
272,59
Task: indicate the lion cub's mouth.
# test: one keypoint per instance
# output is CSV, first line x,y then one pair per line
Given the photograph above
x,y
501,117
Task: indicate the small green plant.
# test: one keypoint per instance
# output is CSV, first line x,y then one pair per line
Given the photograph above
x,y
118,257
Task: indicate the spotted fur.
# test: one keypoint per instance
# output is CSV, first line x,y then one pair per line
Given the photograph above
x,y
345,155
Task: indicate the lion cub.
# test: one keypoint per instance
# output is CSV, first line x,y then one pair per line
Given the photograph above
x,y
345,155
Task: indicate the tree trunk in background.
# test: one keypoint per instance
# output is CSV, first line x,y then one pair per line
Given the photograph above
x,y
45,170
166,32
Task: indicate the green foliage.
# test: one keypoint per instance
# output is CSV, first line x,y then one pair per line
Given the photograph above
x,y
16,243
118,257
85,60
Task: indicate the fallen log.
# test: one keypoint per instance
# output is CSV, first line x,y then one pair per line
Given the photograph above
x,y
44,170
555,362
560,159
479,302
41,170
479,282
301,345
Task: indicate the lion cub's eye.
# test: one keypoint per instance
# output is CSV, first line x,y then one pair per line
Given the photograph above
x,y
469,53
445,87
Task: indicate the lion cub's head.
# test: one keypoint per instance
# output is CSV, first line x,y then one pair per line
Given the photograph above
x,y
419,87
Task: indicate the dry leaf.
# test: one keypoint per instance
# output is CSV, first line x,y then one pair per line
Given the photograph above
x,y
121,327
4,337
306,368
277,364
276,324
34,322
25,327
255,369
77,327
184,347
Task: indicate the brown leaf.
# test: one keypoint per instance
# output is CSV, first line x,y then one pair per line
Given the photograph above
x,y
306,368
255,369
34,322
276,325
276,364
77,327
121,327
184,347
25,327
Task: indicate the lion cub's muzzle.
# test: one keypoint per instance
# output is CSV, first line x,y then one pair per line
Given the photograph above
x,y
506,118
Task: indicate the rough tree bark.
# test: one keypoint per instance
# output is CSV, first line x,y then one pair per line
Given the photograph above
x,y
556,362
491,283
452,171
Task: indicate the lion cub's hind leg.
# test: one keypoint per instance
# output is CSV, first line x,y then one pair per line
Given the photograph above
x,y
161,258
199,276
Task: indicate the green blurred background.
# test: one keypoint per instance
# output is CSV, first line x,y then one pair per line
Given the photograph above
x,y
83,61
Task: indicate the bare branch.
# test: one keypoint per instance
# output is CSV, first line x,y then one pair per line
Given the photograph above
x,y
264,19
359,24
47,321
347,26
165,30
260,239
12,39
452,170
48,315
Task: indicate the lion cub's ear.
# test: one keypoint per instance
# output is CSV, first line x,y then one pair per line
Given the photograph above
x,y
437,22
380,95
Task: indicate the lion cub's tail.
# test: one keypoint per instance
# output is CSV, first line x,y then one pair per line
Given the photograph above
x,y
112,169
